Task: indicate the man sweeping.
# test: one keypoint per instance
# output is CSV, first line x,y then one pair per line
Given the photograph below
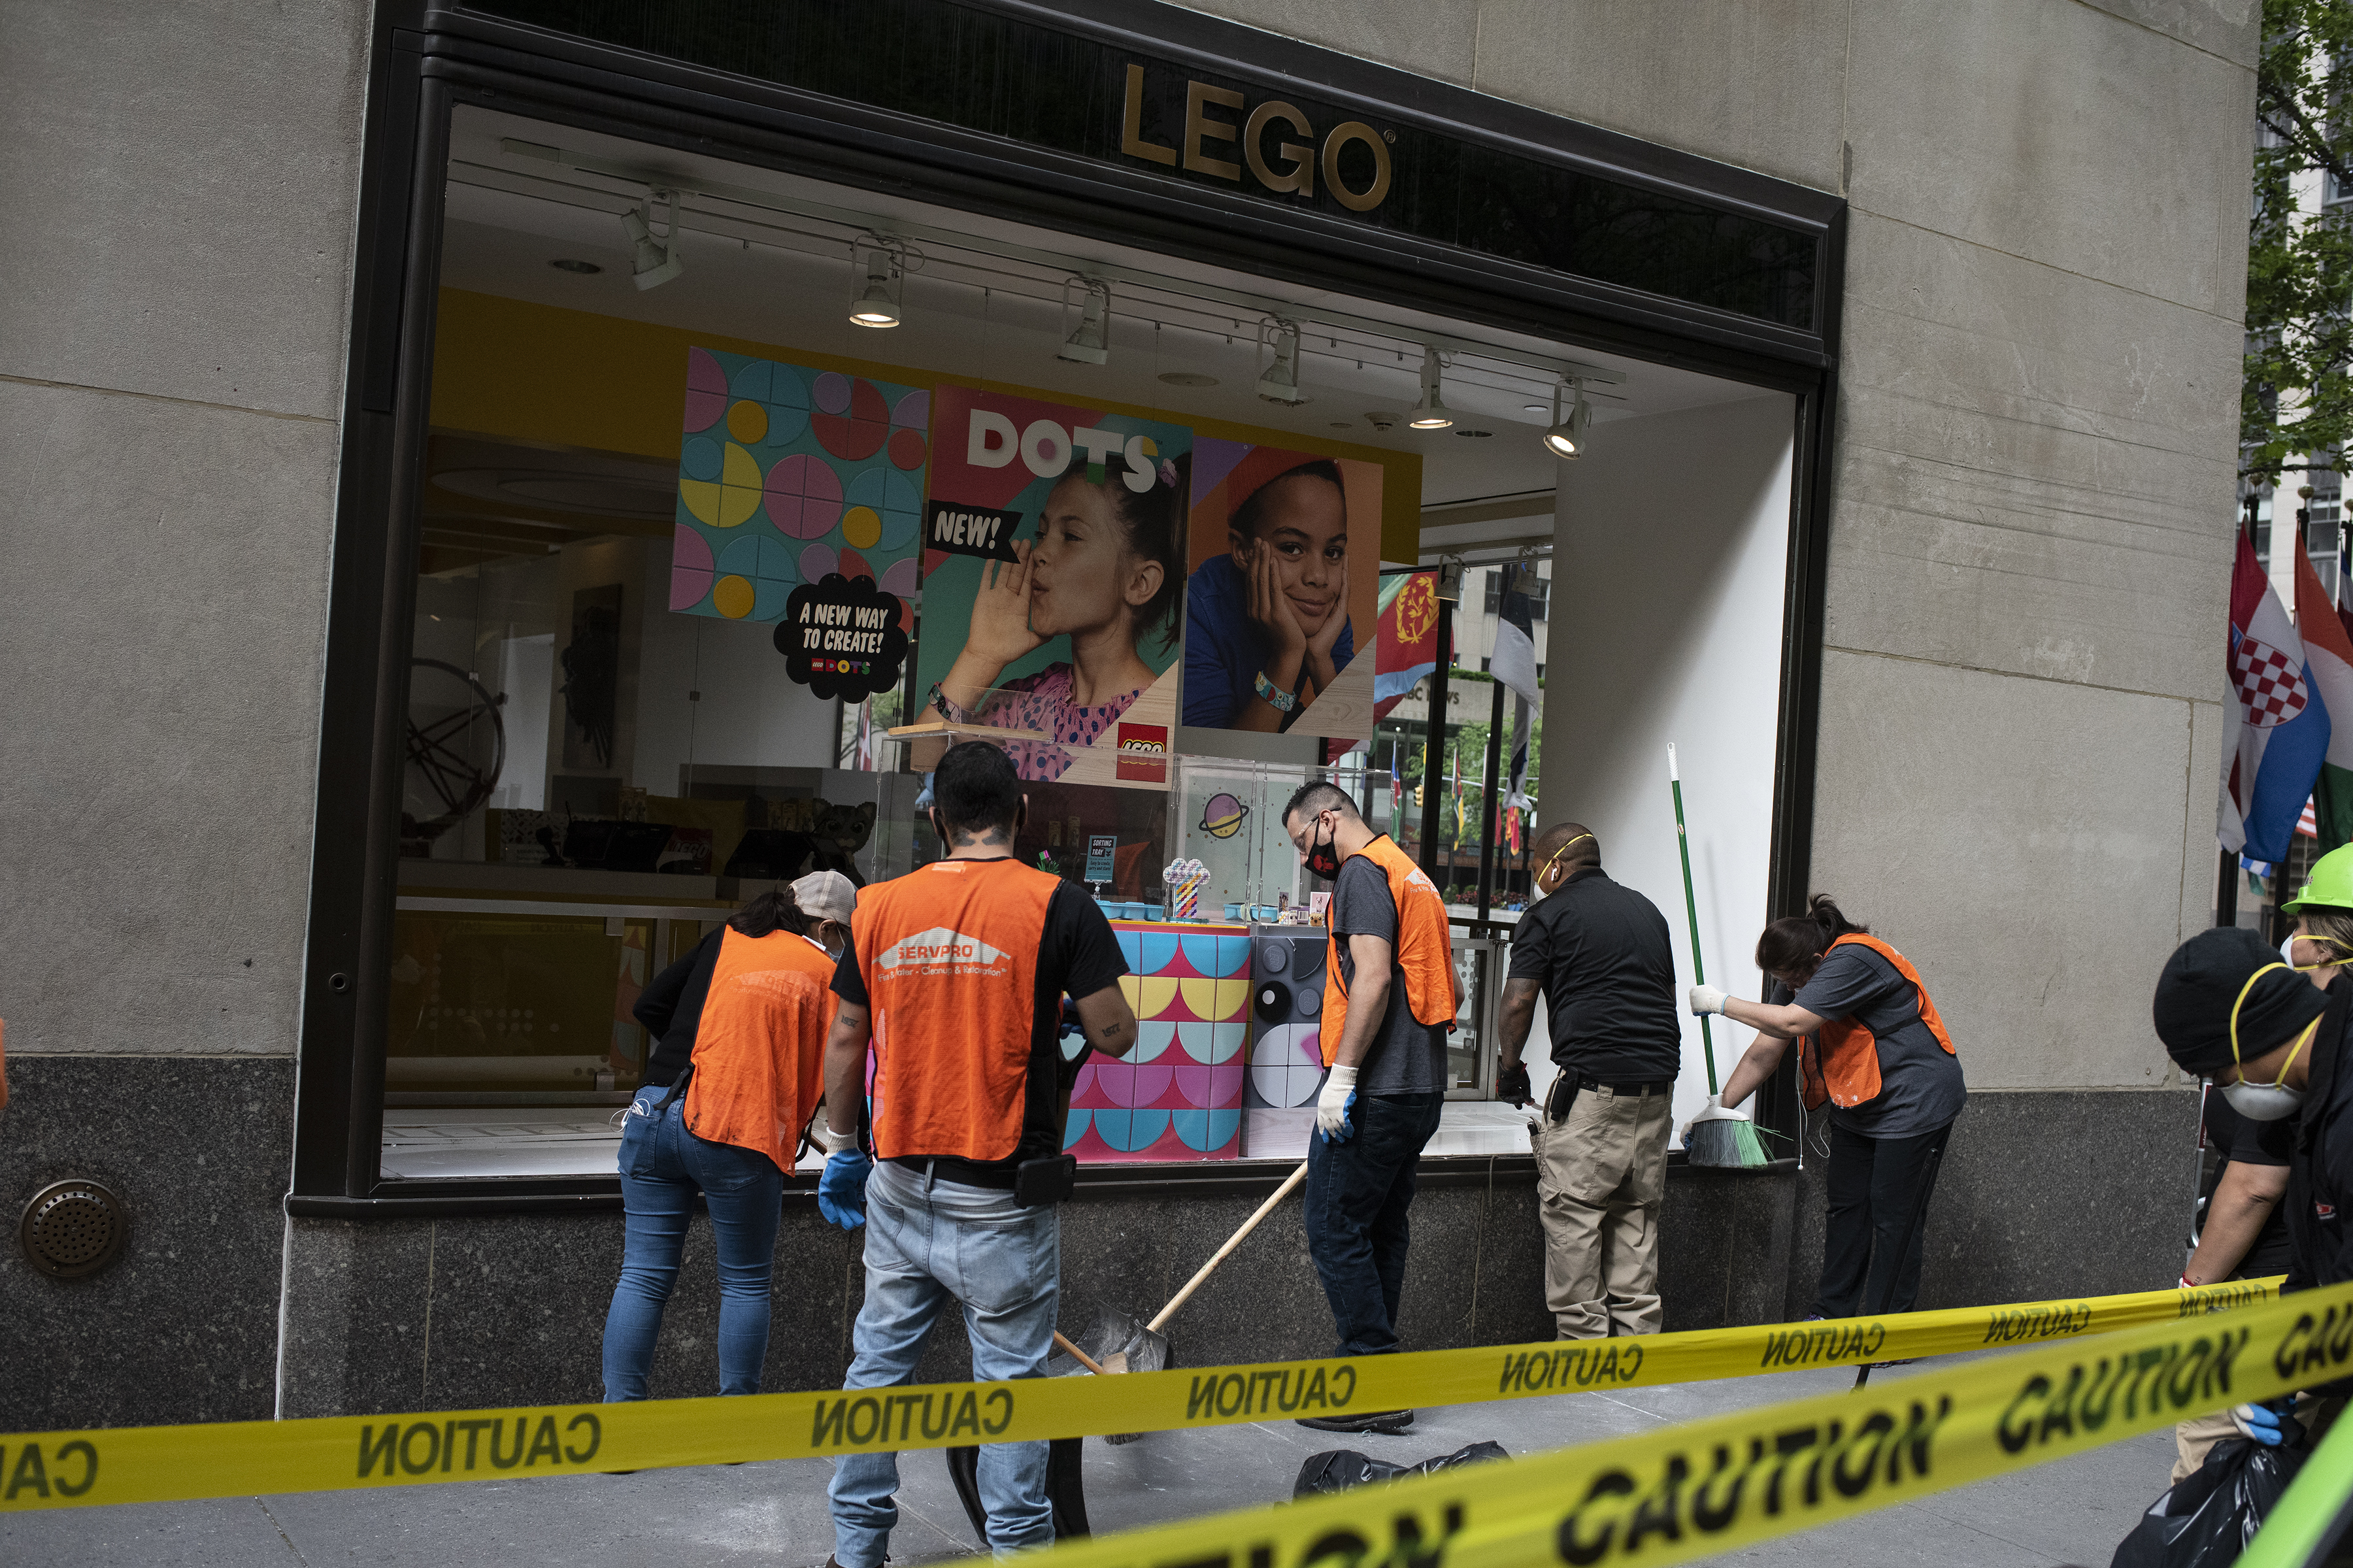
x,y
1389,1000
955,973
1599,953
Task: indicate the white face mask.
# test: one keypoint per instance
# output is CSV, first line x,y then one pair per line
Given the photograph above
x,y
2273,1101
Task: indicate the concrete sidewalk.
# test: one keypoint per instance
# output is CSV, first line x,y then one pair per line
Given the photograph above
x,y
2071,1511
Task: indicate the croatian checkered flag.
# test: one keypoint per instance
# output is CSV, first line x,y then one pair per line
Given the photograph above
x,y
2283,723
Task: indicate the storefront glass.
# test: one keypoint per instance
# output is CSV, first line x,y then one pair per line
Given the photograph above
x,y
709,571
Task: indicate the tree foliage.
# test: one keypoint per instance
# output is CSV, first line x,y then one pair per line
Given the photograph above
x,y
2296,396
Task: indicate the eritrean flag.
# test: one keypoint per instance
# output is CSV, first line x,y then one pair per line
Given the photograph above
x,y
1405,643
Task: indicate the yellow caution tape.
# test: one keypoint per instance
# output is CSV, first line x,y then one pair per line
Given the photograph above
x,y
156,1464
1718,1484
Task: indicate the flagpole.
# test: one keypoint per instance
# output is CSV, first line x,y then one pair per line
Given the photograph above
x,y
1487,805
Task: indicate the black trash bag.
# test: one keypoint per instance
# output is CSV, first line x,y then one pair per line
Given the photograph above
x,y
1337,1470
1065,1488
2209,1518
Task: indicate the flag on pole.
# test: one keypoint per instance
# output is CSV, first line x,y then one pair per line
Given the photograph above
x,y
1405,637
2308,824
1514,664
2328,665
2283,736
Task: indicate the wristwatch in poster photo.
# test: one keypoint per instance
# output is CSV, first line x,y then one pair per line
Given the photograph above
x,y
1283,700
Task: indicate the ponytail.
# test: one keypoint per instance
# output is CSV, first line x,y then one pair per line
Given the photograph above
x,y
1795,942
771,912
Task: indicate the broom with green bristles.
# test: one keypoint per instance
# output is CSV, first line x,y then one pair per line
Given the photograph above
x,y
1717,1136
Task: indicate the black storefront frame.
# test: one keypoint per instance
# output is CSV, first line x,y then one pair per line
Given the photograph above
x,y
426,61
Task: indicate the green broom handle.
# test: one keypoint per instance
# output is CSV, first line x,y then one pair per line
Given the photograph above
x,y
1690,910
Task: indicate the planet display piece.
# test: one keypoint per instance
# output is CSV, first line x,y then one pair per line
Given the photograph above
x,y
1222,816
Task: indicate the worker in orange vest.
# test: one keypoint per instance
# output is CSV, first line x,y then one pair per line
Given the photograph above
x,y
739,1031
954,977
1871,1047
1390,994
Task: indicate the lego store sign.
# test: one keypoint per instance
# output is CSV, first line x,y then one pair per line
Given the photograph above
x,y
1143,753
1219,132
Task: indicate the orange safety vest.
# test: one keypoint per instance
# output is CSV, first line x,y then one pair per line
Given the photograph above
x,y
949,953
759,1050
1844,1069
1425,949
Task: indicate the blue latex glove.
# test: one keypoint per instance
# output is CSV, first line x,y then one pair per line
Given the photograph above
x,y
841,1190
2266,1423
1332,1107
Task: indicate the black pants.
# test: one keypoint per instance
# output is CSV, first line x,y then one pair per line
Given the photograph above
x,y
1872,1237
1358,1194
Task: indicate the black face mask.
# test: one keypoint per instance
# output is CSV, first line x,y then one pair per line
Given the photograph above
x,y
1324,858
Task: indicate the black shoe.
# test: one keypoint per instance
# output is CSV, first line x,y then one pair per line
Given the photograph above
x,y
1388,1422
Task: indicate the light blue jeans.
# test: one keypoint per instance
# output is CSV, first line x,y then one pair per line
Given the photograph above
x,y
663,1167
928,1243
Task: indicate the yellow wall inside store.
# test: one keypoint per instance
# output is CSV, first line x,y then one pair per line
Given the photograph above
x,y
529,372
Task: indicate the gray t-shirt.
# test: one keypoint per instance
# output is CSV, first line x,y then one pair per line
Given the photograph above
x,y
1408,1055
1920,1087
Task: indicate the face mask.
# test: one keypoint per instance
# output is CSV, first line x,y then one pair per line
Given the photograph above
x,y
1557,854
1323,857
2273,1101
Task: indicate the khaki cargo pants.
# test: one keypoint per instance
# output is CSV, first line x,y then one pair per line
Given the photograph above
x,y
1600,1174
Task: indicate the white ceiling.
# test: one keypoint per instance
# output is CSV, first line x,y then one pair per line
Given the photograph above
x,y
993,312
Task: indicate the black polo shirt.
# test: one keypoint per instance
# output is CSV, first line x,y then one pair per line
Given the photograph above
x,y
1601,952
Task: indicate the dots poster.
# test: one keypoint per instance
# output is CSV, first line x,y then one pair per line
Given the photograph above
x,y
785,473
1054,568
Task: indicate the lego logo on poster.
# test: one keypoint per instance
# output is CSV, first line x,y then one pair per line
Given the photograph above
x,y
1143,753
1045,448
841,637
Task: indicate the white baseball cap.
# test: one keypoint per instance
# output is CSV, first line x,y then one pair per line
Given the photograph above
x,y
826,896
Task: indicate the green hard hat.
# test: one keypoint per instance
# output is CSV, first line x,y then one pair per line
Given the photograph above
x,y
2331,886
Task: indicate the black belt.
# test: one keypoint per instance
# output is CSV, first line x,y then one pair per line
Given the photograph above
x,y
1647,1086
964,1172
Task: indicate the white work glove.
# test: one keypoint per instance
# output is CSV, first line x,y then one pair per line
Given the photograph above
x,y
1332,1105
1706,999
1683,1135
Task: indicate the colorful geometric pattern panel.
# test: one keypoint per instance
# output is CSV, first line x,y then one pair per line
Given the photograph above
x,y
785,473
1178,1095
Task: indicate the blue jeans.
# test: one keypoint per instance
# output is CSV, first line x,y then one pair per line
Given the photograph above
x,y
927,1243
663,1167
1358,1194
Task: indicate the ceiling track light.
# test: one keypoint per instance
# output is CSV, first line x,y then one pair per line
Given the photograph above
x,y
657,262
1566,438
877,303
1280,382
1090,342
1430,413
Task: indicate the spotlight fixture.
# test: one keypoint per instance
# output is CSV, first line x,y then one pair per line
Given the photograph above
x,y
1281,381
1449,579
1565,439
1430,413
656,263
1090,342
877,304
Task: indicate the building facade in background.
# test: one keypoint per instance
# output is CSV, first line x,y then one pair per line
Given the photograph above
x,y
1910,526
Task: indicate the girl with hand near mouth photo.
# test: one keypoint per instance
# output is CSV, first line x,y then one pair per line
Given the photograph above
x,y
1106,571
1267,623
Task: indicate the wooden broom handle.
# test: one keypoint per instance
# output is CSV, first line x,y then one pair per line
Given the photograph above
x,y
1083,1359
1233,1241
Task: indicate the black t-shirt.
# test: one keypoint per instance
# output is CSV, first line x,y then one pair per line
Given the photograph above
x,y
1406,1055
2241,1142
2320,1159
670,1007
1600,950
1077,956
1920,1083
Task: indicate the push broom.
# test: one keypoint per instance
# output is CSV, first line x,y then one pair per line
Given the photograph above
x,y
1717,1136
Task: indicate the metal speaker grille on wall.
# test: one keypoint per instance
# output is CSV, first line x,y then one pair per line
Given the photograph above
x,y
73,1229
